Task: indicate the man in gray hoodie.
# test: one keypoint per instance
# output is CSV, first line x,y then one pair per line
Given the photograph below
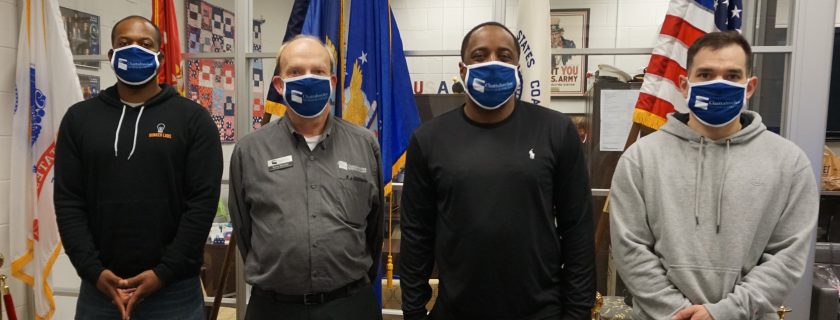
x,y
712,215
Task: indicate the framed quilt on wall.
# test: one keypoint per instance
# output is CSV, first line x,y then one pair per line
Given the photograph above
x,y
211,81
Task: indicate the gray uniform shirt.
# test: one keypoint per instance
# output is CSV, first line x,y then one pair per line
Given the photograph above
x,y
307,221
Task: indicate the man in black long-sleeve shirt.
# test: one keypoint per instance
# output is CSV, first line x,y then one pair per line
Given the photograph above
x,y
137,177
497,193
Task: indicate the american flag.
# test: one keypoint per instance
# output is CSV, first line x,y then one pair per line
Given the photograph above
x,y
685,21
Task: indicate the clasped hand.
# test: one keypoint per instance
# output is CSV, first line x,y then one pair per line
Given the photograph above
x,y
126,294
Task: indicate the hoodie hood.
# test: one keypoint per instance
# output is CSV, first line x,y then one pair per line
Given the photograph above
x,y
112,98
752,127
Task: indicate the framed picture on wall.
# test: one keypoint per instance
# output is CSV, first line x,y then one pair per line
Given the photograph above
x,y
83,33
569,29
90,85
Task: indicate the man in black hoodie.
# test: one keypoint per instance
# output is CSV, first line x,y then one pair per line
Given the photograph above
x,y
137,178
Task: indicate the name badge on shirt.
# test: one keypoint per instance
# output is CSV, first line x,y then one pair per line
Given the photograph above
x,y
280,163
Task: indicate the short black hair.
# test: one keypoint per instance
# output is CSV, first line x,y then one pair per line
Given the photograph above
x,y
717,41
489,23
158,35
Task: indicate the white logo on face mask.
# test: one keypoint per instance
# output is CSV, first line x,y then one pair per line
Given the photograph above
x,y
478,85
161,127
122,64
297,96
531,154
701,102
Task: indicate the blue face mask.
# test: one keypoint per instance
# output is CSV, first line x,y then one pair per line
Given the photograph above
x,y
491,84
307,95
135,65
716,103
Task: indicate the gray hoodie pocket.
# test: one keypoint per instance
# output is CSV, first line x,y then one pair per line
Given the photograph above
x,y
704,284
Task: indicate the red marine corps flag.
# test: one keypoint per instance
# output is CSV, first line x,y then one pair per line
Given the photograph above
x,y
163,16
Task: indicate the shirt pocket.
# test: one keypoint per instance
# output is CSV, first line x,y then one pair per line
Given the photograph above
x,y
355,198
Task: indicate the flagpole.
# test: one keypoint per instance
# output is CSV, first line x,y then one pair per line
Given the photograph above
x,y
2,260
389,267
342,52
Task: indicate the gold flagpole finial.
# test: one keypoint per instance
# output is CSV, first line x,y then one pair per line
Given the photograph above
x,y
4,288
782,311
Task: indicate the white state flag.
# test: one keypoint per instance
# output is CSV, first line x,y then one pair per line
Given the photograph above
x,y
534,37
45,86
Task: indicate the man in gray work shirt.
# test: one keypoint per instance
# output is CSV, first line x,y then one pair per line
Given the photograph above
x,y
306,200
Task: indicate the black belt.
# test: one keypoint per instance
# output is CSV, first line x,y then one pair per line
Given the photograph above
x,y
313,298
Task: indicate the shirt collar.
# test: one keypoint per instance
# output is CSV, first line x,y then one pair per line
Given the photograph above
x,y
299,137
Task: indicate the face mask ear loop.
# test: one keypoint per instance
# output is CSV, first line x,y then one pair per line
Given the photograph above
x,y
688,94
467,84
744,106
113,56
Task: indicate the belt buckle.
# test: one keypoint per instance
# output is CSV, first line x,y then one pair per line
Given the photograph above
x,y
313,298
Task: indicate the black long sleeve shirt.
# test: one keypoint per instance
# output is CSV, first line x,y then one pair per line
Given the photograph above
x,y
136,198
505,212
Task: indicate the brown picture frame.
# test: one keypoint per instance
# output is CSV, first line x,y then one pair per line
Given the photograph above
x,y
569,29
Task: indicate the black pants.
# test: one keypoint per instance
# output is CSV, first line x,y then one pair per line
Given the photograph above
x,y
360,305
